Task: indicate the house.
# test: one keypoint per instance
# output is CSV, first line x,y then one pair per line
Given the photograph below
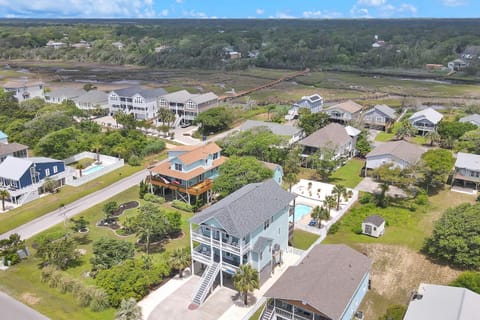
x,y
457,65
293,133
314,103
328,284
425,120
118,45
81,44
24,89
373,225
341,140
438,302
472,118
55,44
92,100
188,173
16,150
400,153
344,112
141,103
378,44
277,171
58,95
186,105
23,177
250,226
380,116
467,170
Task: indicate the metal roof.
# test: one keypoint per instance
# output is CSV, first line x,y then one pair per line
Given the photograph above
x,y
383,108
275,128
65,92
241,212
468,161
93,96
14,168
473,118
146,93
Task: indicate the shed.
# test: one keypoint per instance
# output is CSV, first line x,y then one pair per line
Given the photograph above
x,y
373,225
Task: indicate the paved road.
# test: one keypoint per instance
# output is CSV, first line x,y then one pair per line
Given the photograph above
x,y
15,310
55,217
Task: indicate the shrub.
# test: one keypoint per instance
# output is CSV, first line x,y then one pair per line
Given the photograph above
x,y
134,161
469,280
334,228
66,284
182,205
154,147
55,279
99,300
366,198
47,273
422,198
153,198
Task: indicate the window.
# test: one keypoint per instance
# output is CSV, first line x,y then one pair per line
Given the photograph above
x,y
215,156
47,172
55,169
266,224
228,254
178,167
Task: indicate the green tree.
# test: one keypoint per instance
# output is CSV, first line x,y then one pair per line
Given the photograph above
x,y
151,222
239,171
80,166
404,129
311,122
96,146
214,120
436,167
324,162
60,253
49,185
179,260
363,146
433,136
4,194
246,280
109,252
469,280
339,192
109,209
127,121
329,202
454,129
129,310
79,224
456,237
469,142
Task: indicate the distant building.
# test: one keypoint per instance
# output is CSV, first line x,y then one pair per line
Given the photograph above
x,y
344,112
379,117
457,65
472,118
400,153
314,103
438,302
141,103
467,170
91,100
293,133
55,44
16,150
118,45
25,89
81,44
58,95
378,44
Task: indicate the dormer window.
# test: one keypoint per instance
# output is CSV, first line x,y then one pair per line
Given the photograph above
x,y
178,167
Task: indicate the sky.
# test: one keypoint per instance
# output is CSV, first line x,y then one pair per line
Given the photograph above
x,y
248,9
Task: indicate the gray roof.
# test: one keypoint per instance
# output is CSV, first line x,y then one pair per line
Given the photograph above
x,y
202,98
275,128
386,110
443,303
65,92
332,134
375,219
261,243
178,96
43,160
468,161
247,208
326,279
347,106
13,168
401,149
473,118
93,96
146,93
429,113
8,148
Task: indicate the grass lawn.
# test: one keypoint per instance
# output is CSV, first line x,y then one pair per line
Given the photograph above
x,y
257,313
349,175
384,137
303,240
23,280
67,194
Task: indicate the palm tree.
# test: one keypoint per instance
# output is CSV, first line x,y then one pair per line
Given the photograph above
x,y
433,136
96,146
80,167
405,130
169,118
323,214
5,195
339,191
330,202
129,310
246,280
179,260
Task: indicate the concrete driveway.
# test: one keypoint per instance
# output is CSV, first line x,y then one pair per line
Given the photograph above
x,y
371,186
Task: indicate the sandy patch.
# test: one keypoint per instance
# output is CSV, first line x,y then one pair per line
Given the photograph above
x,y
30,298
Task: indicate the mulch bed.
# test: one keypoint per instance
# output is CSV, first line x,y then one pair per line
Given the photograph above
x,y
125,206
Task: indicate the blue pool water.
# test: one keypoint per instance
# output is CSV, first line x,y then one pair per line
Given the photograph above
x,y
92,169
300,211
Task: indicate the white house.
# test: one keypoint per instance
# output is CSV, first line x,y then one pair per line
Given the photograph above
x,y
373,225
142,103
58,95
293,133
55,44
91,100
457,65
344,112
380,116
400,153
314,103
425,120
467,170
472,118
25,89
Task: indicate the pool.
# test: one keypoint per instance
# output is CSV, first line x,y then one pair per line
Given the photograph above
x,y
93,169
301,210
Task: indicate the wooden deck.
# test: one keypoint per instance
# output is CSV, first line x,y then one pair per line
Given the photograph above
x,y
196,190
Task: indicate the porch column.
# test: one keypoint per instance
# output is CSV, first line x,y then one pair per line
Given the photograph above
x,y
241,251
221,259
211,244
191,249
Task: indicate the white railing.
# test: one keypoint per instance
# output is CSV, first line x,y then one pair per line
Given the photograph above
x,y
203,287
94,175
200,257
197,235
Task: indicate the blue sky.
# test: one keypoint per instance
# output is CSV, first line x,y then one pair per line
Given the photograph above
x,y
218,9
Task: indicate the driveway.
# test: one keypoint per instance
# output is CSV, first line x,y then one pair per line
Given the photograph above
x,y
15,310
371,186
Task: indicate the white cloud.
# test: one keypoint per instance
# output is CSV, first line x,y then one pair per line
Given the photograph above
x,y
408,8
194,14
317,14
356,12
260,11
312,14
77,8
371,3
179,1
284,15
454,3
164,12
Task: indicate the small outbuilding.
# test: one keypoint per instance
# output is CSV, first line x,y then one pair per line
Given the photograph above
x,y
373,225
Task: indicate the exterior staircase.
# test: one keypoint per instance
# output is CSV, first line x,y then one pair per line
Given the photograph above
x,y
206,283
177,121
27,197
267,314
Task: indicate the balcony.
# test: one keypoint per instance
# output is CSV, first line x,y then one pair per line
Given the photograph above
x,y
196,190
205,258
231,247
460,176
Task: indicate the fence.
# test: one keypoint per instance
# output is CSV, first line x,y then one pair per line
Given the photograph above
x,y
110,164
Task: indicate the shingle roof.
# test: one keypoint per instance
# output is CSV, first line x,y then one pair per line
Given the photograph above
x,y
468,161
178,96
386,110
443,303
349,106
22,83
429,114
93,96
261,243
198,153
473,118
65,92
201,98
403,150
8,148
332,134
275,128
375,219
326,279
14,168
247,208
146,93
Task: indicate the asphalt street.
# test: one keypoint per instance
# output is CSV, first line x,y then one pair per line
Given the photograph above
x,y
12,309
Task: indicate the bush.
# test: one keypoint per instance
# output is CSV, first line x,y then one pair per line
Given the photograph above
x,y
422,198
334,228
182,205
134,161
153,198
366,198
469,280
154,147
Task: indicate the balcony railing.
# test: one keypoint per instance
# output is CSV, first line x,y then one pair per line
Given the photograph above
x,y
233,247
460,176
198,189
206,259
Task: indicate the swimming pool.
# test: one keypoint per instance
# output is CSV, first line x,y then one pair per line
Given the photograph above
x,y
93,169
301,210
